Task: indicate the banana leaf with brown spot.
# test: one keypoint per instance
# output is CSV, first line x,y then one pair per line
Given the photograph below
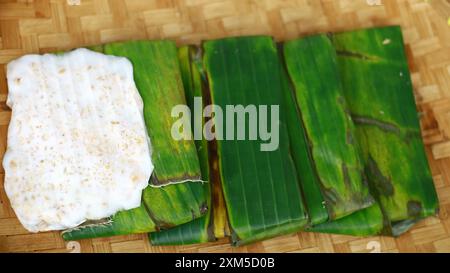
x,y
322,132
214,224
374,71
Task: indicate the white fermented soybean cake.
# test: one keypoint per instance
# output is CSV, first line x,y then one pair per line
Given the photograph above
x,y
77,148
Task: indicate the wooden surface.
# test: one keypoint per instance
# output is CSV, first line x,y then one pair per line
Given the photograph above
x,y
41,26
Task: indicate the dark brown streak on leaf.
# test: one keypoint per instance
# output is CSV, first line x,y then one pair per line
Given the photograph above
x,y
407,136
214,173
385,126
346,176
382,184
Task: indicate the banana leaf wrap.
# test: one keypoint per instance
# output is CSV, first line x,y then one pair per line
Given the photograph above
x,y
164,205
261,189
374,71
300,151
333,177
364,222
375,75
196,231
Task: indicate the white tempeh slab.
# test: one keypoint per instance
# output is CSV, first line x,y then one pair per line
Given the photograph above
x,y
77,148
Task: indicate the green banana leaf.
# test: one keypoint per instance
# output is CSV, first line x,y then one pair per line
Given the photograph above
x,y
300,151
197,230
367,222
157,71
158,79
329,130
261,189
214,225
374,72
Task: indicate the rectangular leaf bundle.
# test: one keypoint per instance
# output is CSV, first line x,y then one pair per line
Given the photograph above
x,y
371,67
315,203
214,224
261,189
350,158
176,196
324,131
374,72
352,126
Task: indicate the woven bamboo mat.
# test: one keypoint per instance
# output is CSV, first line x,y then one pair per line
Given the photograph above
x,y
28,26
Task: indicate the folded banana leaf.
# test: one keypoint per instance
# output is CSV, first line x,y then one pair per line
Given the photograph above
x,y
374,72
367,222
214,225
260,183
364,222
300,151
195,231
334,178
218,224
158,79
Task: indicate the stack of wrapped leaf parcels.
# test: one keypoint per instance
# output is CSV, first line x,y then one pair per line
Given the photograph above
x,y
340,149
